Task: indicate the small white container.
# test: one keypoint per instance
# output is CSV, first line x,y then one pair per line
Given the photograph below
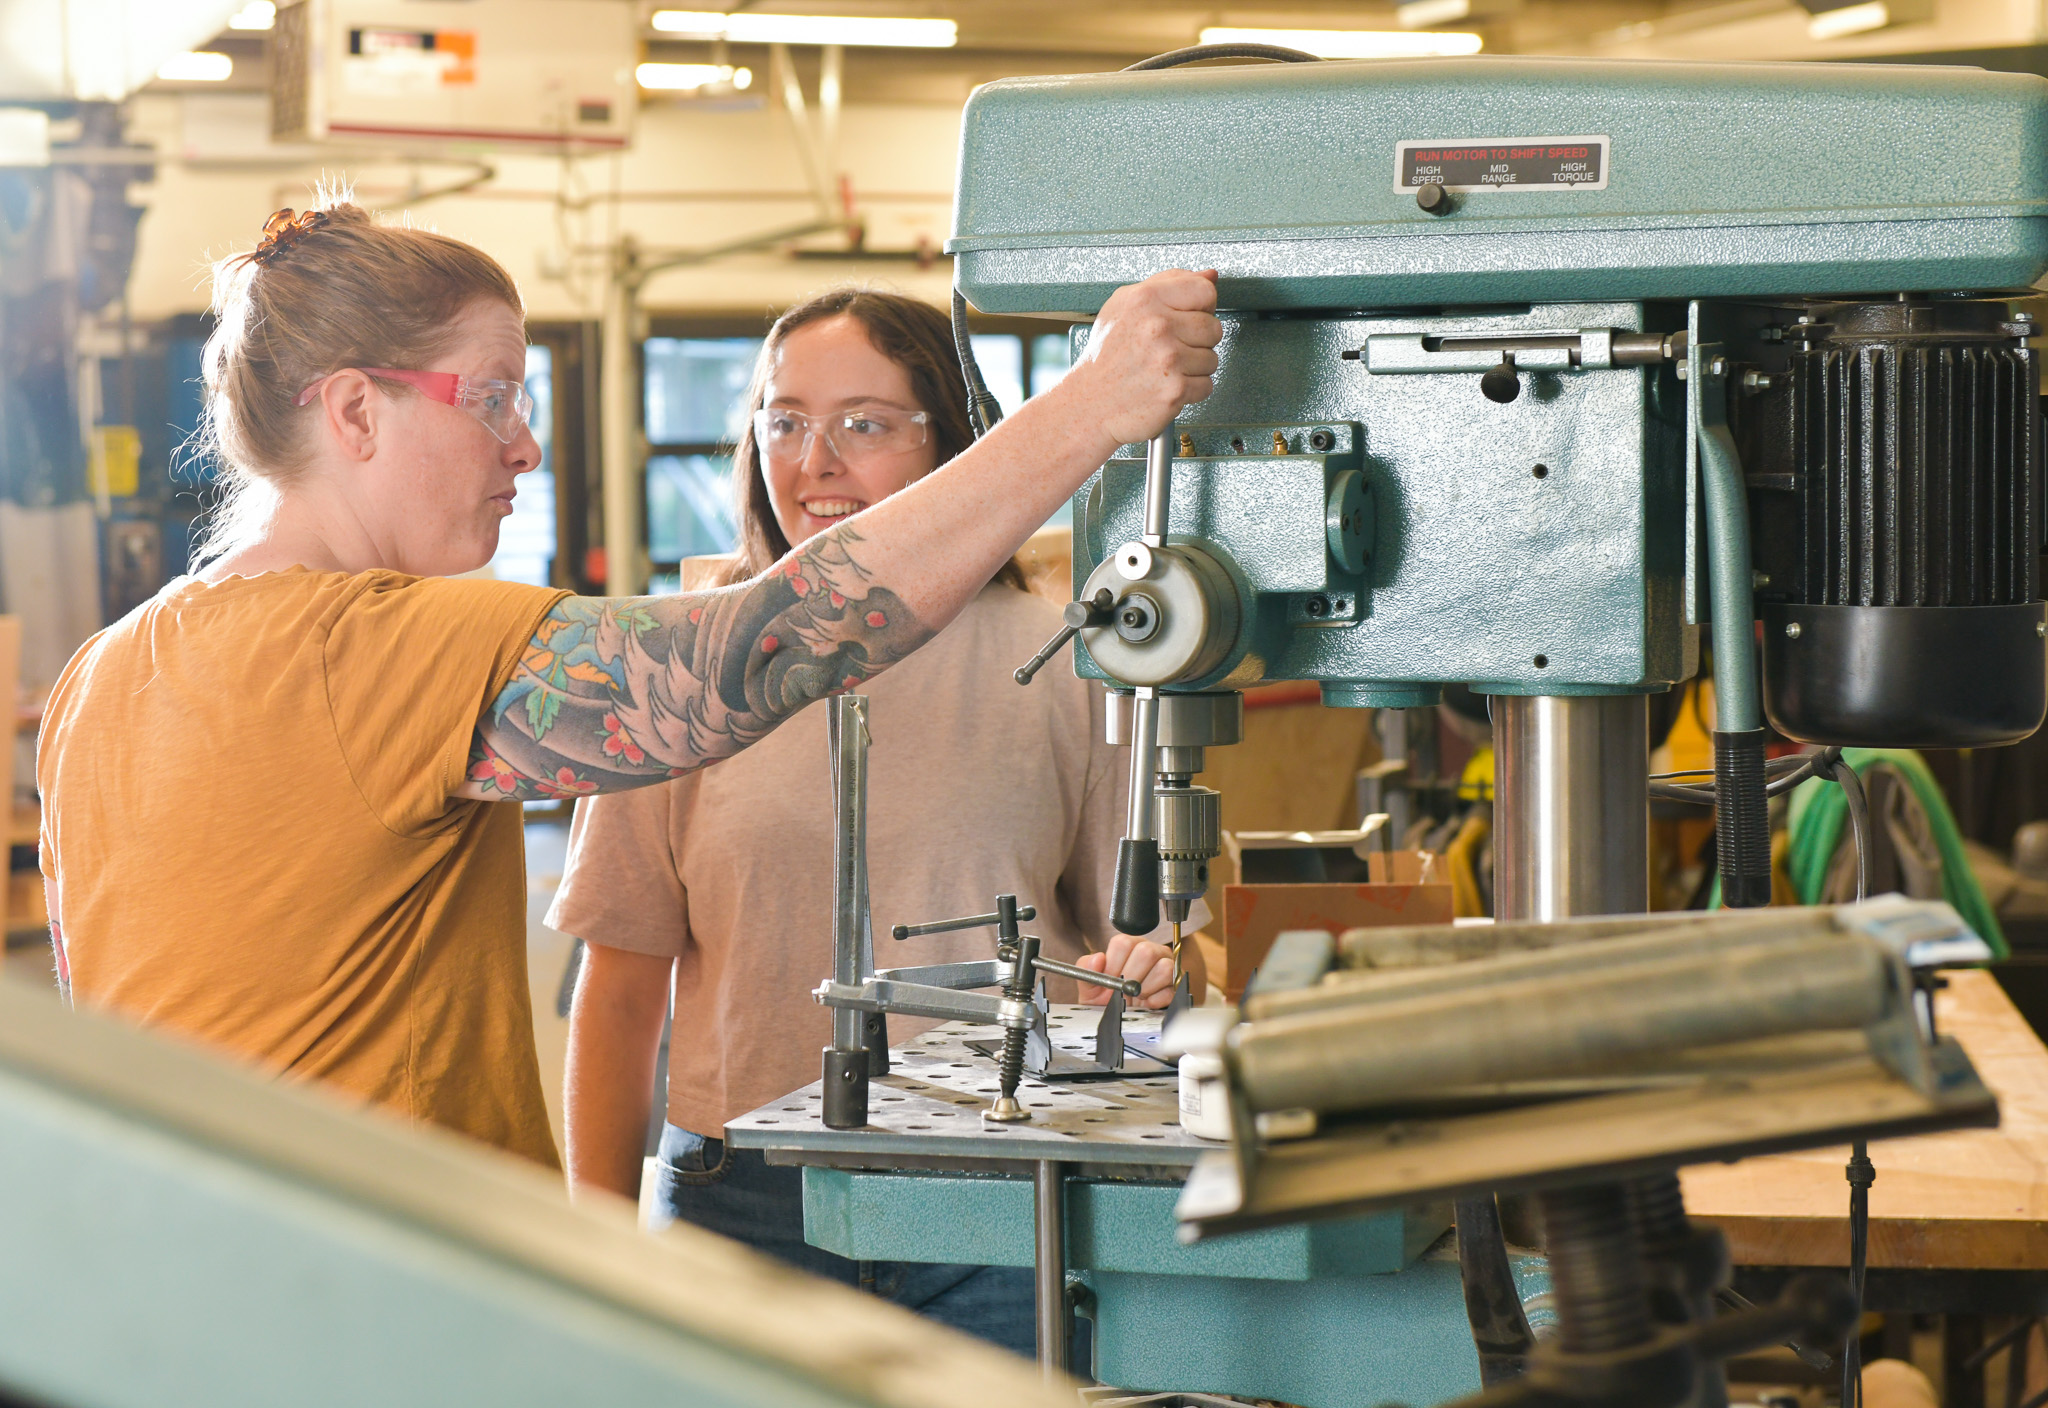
x,y
1204,1105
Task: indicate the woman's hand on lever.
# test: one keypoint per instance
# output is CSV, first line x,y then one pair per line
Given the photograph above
x,y
1151,964
620,692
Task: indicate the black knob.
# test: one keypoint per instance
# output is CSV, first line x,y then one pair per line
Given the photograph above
x,y
1134,902
1434,200
1501,384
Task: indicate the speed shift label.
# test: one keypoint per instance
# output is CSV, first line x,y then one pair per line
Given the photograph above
x,y
1503,164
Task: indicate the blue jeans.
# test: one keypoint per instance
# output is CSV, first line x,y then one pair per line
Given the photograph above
x,y
738,1194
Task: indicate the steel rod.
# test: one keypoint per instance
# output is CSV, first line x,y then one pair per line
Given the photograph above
x,y
946,926
1158,486
1144,765
849,741
1050,1286
1576,1024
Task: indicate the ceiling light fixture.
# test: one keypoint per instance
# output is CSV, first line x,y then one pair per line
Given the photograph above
x,y
686,77
750,28
1353,43
202,67
1421,14
1850,19
257,14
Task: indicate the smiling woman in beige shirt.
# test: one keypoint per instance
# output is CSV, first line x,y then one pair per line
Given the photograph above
x,y
717,889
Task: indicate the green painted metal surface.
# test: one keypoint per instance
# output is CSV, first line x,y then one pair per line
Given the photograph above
x,y
178,1232
1571,580
1328,1343
1111,1226
1723,180
1366,1310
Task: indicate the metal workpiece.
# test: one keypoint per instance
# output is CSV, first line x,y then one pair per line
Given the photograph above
x,y
1587,1023
1624,939
1571,806
1577,1052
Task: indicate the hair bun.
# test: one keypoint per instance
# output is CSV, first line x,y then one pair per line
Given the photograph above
x,y
283,230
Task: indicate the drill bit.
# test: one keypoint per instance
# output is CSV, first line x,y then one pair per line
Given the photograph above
x,y
1176,953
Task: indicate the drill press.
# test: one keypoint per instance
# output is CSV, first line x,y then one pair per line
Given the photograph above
x,y
1539,375
1507,407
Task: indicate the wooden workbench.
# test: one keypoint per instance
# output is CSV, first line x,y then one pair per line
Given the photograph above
x,y
1973,1201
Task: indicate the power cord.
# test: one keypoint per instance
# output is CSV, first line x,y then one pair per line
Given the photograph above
x,y
1784,774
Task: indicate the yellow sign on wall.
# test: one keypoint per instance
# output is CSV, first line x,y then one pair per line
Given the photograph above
x,y
115,467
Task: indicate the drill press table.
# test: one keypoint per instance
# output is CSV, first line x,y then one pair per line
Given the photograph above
x,y
1337,1312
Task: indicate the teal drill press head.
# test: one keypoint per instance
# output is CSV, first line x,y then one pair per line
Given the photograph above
x,y
1557,181
1539,374
1453,436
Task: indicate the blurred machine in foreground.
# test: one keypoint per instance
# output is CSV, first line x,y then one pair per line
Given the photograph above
x,y
180,1233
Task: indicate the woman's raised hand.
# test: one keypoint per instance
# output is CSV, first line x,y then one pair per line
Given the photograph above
x,y
1152,352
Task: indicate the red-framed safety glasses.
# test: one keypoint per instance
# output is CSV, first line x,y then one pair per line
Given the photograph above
x,y
502,406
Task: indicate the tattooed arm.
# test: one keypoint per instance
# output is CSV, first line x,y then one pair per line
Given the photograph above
x,y
621,692
614,693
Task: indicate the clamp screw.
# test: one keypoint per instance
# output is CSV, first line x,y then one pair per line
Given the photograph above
x,y
1791,630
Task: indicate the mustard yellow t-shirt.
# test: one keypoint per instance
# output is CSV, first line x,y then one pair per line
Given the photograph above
x,y
246,818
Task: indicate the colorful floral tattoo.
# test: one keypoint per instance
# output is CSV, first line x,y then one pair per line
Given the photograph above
x,y
615,693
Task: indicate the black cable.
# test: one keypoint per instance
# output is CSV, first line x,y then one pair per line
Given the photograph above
x,y
1860,1172
983,410
1174,58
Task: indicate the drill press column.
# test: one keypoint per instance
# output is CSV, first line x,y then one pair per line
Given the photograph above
x,y
1571,805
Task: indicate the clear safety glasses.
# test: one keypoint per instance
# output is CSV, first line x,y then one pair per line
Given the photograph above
x,y
502,406
784,437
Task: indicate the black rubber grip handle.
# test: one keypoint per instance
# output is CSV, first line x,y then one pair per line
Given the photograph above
x,y
1742,820
1134,907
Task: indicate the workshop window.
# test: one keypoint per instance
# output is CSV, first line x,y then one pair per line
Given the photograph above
x,y
695,391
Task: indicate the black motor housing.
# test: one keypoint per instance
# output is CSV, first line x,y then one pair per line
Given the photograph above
x,y
1893,453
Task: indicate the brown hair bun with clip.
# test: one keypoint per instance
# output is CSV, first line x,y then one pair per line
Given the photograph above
x,y
283,230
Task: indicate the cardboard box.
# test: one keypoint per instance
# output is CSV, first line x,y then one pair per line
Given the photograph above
x,y
1319,858
1255,915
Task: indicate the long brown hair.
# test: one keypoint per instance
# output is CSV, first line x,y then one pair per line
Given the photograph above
x,y
916,337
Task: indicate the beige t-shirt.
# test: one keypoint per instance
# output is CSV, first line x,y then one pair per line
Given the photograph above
x,y
247,821
975,787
